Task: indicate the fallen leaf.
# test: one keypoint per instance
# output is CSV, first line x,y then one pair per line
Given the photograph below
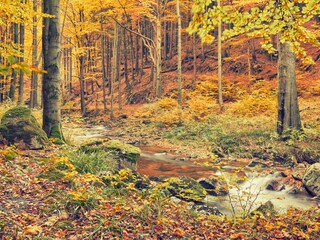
x,y
178,232
32,230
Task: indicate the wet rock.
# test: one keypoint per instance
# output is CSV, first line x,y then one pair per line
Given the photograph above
x,y
184,188
126,178
209,184
275,185
265,209
141,183
158,178
20,127
182,159
190,205
311,179
175,200
213,186
310,156
298,172
146,122
298,191
206,210
256,164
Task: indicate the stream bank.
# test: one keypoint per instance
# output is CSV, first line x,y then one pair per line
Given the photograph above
x,y
248,181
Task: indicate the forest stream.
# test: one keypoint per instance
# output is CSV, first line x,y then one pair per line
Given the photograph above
x,y
158,161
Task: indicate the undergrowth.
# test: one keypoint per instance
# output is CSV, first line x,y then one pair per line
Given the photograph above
x,y
85,206
247,127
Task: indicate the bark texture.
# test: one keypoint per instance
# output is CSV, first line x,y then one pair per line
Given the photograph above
x,y
51,82
288,109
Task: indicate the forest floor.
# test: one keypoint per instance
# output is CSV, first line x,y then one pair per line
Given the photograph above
x,y
44,195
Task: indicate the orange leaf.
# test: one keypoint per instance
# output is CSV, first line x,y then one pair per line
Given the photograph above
x,y
178,232
237,236
32,230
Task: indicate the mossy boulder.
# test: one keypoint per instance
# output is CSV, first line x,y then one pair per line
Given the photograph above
x,y
214,186
311,179
127,154
19,126
184,188
265,209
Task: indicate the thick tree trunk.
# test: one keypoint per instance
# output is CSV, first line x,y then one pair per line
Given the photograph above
x,y
288,109
51,82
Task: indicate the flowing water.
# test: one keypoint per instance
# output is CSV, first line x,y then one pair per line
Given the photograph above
x,y
155,161
253,193
247,196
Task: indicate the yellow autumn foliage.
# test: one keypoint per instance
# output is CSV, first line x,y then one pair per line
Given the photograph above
x,y
254,105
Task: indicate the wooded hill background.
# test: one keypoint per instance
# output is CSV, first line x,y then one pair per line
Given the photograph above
x,y
138,41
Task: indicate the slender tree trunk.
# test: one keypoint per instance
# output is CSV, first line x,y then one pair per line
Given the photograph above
x,y
34,76
70,70
82,71
288,108
158,52
82,85
194,59
14,72
249,60
179,53
114,65
104,73
125,53
118,69
132,53
21,75
51,82
137,54
171,40
220,63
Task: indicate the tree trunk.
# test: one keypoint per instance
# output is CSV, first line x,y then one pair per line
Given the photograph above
x,y
104,73
158,52
21,75
34,76
137,54
51,82
220,63
194,59
118,68
125,53
14,72
288,109
179,53
82,85
113,70
82,70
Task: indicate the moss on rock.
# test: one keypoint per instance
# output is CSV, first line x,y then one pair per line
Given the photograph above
x,y
184,188
19,126
123,150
